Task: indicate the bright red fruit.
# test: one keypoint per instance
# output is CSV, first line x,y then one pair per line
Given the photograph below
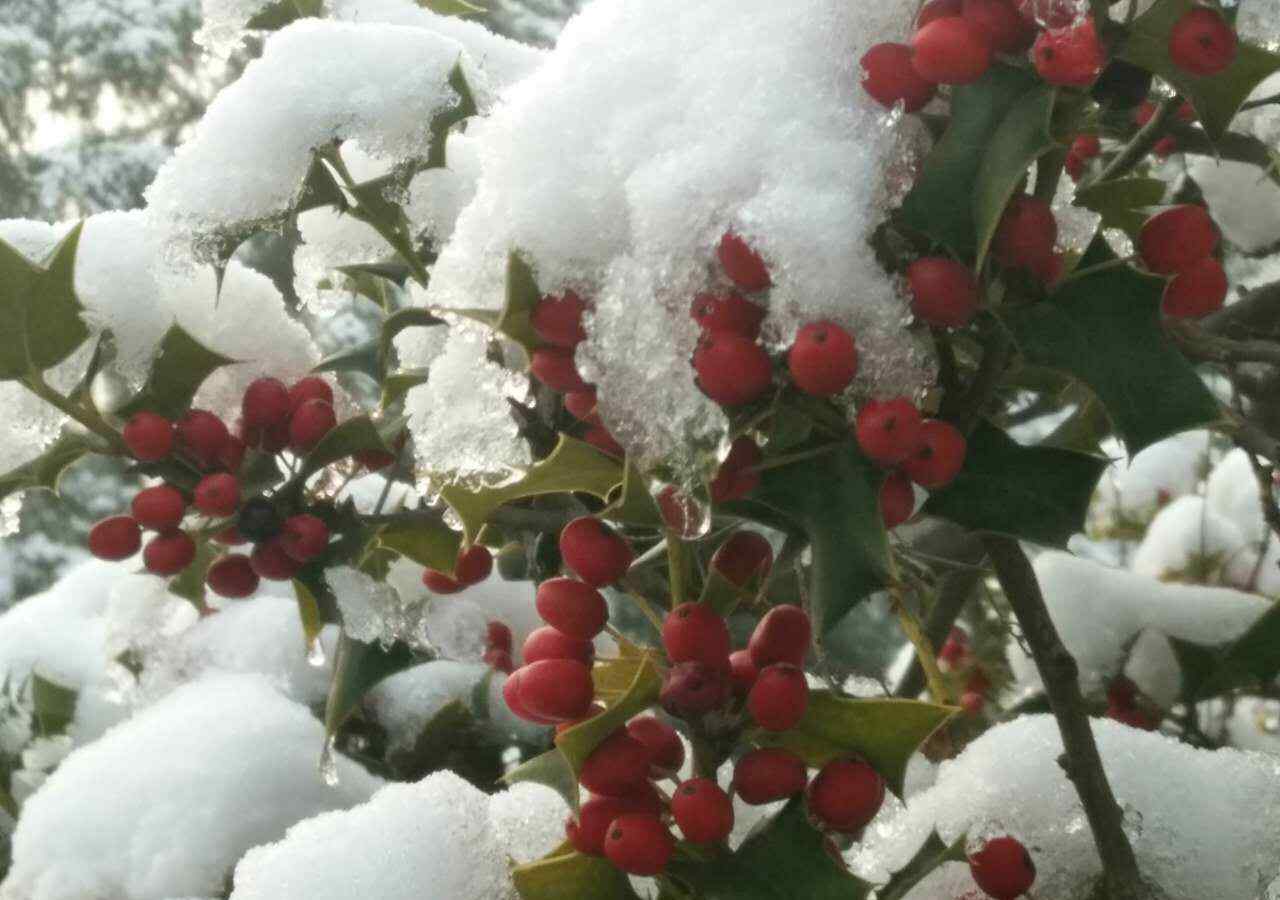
x,y
440,582
890,78
742,264
594,552
732,370
498,660
666,750
304,537
217,495
846,794
1003,868
554,367
575,608
201,435
168,553
148,436
271,562
232,576
230,537
1050,13
559,690
955,649
940,457
743,672
116,538
1074,166
944,293
939,9
313,387
823,359
511,696
639,844
1086,146
311,422
744,556
730,312
548,643
373,460
597,814
888,430
1199,289
558,319
600,438
582,406
1001,23
497,635
1203,42
1144,113
695,632
231,456
1026,234
159,508
692,689
618,766
1071,57
265,403
950,51
897,499
763,776
782,636
703,811
734,479
1165,147
972,702
1176,238
474,565
779,697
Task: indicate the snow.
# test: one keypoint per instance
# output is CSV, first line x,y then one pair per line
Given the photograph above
x,y
407,701
177,794
1185,537
1203,823
1159,473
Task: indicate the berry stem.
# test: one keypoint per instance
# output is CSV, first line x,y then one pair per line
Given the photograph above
x,y
911,627
642,603
85,415
1142,143
679,568
1100,267
778,462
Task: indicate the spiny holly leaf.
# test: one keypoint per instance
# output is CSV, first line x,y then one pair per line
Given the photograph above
x,y
884,732
513,320
551,770
1039,494
348,438
397,384
308,614
413,317
1105,329
1216,98
429,544
576,743
451,7
358,667
999,126
572,466
190,584
46,470
280,13
181,365
931,854
632,503
572,875
54,705
40,322
444,120
363,357
1123,203
1251,659
785,860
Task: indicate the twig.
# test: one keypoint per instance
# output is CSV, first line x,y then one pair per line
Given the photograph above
x,y
90,419
954,593
1203,346
1142,143
926,656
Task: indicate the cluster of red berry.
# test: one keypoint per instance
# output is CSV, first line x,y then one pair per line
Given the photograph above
x,y
1180,242
274,418
929,452
497,647
472,566
1123,705
956,656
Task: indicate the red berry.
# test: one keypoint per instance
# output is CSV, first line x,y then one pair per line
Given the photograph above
x,y
269,440
557,320
638,844
556,689
313,387
734,479
666,750
944,293
972,702
730,312
265,403
168,553
1165,147
680,512
159,508
373,460
695,632
230,537
823,359
1196,291
955,649
599,437
1074,166
202,435
498,660
511,696
1003,868
1122,691
939,9
597,814
846,794
779,697
474,565
782,636
888,430
1086,146
744,556
218,495
769,774
582,406
232,576
978,682
572,607
592,711
148,436
440,582
312,421
618,766
231,456
940,457
1202,42
890,78
1001,23
594,552
272,562
548,643
304,537
1186,112
1144,113
554,367
497,636
1133,717
1174,239
116,538
703,811
743,265
732,370
1026,234
1071,56
743,672
950,51
692,689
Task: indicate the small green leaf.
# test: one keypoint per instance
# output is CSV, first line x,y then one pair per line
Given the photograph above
x,y
1123,203
40,323
1252,659
413,317
190,584
885,732
632,503
54,705
358,667
1039,494
181,365
350,437
443,121
280,13
551,770
46,470
576,743
451,7
931,854
308,614
572,876
363,358
1216,98
433,545
514,319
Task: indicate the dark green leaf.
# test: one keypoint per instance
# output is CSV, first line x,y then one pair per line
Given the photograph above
x,y
190,584
931,855
280,13
1252,659
513,320
363,358
308,614
46,470
576,743
358,667
397,384
551,770
451,7
444,120
1124,203
350,437
632,503
181,365
413,317
40,322
429,544
54,705
572,876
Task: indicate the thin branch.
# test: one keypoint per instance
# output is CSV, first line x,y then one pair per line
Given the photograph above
x,y
956,589
1257,313
1261,101
1203,346
1142,143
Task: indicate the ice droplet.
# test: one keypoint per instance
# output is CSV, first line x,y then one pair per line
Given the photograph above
x,y
328,765
315,654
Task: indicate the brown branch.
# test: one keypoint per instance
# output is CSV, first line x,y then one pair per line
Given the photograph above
x,y
1204,346
1142,143
1257,313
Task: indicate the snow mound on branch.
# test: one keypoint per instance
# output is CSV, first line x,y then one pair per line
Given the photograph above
x,y
165,804
1162,472
651,129
1187,538
436,835
406,702
1203,823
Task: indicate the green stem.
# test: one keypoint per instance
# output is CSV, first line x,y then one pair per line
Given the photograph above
x,y
778,462
1100,267
678,566
86,416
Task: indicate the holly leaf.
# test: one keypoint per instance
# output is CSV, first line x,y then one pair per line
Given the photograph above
x,y
514,319
1039,494
576,743
551,770
785,860
308,614
279,14
181,365
1105,329
885,732
931,854
357,667
1251,659
356,434
190,584
40,323
1216,98
451,7
1123,203
363,357
632,503
429,544
46,470
572,875
53,705
999,126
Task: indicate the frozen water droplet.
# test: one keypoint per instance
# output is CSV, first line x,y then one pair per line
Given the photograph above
x,y
1133,821
315,654
329,765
